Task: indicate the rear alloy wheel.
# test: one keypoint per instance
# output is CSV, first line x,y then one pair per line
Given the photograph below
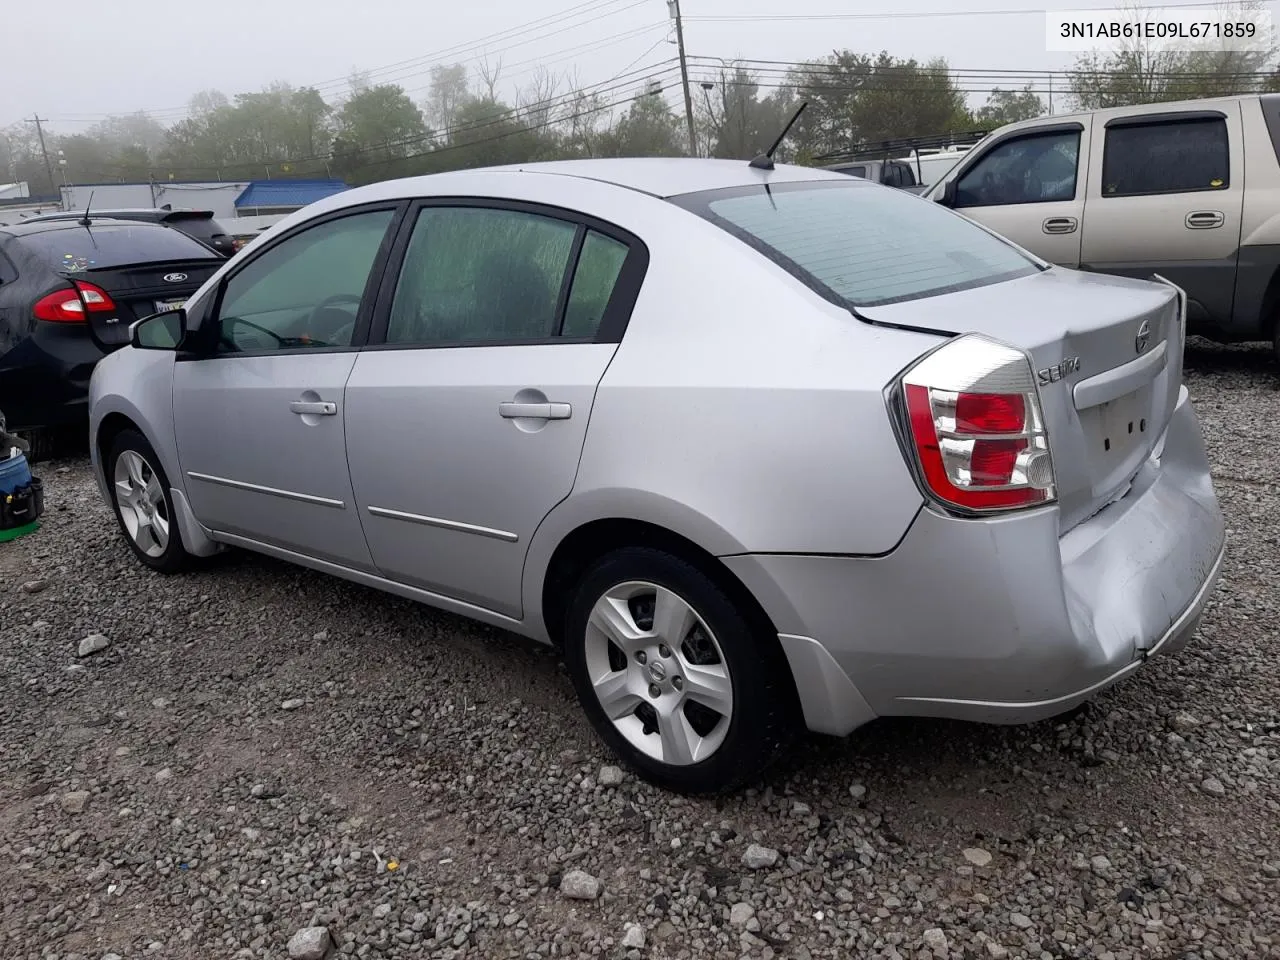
x,y
673,677
143,504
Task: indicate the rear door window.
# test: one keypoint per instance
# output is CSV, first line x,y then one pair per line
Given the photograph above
x,y
861,246
1178,156
76,249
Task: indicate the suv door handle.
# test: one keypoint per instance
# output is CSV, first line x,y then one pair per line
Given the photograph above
x,y
319,408
535,411
1060,225
1204,219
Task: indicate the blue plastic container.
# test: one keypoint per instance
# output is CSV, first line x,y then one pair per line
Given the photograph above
x,y
14,473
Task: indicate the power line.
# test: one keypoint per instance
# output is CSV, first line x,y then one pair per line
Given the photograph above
x,y
926,14
424,62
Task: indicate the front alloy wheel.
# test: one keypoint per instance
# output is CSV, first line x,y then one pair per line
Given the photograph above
x,y
143,503
144,512
686,683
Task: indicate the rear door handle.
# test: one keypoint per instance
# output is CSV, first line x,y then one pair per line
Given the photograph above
x,y
1204,219
535,411
1060,225
318,408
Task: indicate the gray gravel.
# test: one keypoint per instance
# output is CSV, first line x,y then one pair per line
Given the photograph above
x,y
259,750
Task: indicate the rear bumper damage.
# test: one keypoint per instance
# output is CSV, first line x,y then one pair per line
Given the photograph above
x,y
1001,620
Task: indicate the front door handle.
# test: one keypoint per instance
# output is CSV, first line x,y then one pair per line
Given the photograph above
x,y
535,411
1060,225
1204,219
317,408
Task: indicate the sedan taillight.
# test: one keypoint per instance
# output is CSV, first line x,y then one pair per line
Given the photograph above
x,y
976,428
66,306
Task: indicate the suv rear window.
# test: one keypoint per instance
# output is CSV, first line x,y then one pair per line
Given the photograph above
x,y
861,245
76,249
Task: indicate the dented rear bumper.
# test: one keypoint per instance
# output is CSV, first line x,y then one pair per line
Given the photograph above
x,y
1001,620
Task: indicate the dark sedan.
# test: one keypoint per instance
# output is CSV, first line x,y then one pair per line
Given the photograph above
x,y
68,295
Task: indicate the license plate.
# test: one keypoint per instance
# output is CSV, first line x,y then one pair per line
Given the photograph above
x,y
163,305
1124,423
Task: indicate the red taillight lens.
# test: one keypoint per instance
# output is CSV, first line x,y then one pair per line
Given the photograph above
x,y
991,413
66,306
978,449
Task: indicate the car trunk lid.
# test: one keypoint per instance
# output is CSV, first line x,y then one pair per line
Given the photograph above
x,y
1107,353
140,290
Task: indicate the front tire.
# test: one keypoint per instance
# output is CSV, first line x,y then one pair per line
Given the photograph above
x,y
143,504
687,688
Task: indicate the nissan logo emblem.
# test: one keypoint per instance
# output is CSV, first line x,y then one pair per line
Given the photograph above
x,y
1144,336
174,277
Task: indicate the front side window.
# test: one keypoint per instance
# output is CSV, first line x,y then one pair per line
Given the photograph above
x,y
859,245
1031,169
1178,156
481,275
306,291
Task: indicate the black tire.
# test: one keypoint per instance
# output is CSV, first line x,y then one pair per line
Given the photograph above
x,y
764,717
173,558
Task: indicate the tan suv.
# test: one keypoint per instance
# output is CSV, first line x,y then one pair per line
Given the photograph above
x,y
1143,190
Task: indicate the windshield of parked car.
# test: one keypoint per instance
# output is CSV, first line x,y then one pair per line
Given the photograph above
x,y
860,244
75,249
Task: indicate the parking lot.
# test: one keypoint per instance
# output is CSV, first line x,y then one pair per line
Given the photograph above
x,y
261,749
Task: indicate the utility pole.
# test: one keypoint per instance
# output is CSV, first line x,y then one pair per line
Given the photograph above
x,y
48,167
674,7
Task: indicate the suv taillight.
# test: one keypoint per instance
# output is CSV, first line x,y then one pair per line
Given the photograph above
x,y
66,306
975,427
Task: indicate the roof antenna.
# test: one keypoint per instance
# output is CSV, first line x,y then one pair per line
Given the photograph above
x,y
765,160
85,221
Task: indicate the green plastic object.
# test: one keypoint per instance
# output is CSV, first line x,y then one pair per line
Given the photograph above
x,y
15,532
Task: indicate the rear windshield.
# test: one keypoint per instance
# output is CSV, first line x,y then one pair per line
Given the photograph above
x,y
77,249
860,244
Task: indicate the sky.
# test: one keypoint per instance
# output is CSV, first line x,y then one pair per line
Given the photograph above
x,y
154,55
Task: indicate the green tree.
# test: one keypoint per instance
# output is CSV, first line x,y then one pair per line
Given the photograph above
x,y
855,98
448,91
648,128
735,121
377,127
1009,106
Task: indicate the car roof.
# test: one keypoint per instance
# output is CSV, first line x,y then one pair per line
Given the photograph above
x,y
661,177
670,176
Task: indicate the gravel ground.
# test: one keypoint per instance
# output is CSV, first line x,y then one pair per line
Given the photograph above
x,y
259,750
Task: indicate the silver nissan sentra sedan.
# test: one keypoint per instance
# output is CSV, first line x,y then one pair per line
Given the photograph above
x,y
759,449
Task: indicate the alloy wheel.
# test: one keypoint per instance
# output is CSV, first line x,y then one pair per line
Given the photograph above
x,y
659,673
143,508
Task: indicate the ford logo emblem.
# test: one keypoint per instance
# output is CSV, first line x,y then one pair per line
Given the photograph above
x,y
174,277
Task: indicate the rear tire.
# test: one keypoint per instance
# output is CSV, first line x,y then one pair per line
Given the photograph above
x,y
143,504
688,689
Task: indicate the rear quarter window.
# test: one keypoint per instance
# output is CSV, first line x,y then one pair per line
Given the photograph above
x,y
862,245
78,249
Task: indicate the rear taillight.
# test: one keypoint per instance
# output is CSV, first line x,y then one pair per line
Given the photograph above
x,y
976,429
68,306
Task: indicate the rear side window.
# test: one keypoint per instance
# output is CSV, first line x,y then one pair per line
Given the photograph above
x,y
859,245
78,249
1182,156
599,266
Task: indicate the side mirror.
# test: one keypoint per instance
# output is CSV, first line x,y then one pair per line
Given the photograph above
x,y
160,331
948,195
